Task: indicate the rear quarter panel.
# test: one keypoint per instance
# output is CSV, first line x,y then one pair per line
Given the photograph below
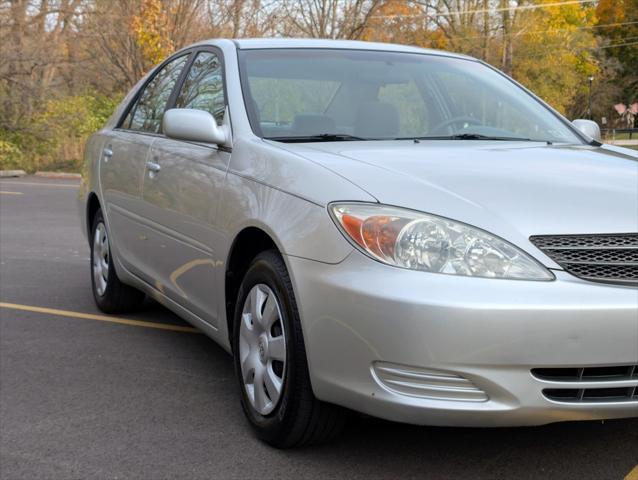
x,y
90,176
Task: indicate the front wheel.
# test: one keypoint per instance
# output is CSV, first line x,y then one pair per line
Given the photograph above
x,y
270,361
110,294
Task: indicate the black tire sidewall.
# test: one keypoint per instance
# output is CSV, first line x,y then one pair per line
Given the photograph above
x,y
104,300
274,425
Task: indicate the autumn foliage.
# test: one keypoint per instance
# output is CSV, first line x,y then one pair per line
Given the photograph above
x,y
64,64
150,27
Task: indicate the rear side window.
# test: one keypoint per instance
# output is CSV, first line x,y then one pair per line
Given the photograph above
x,y
203,88
146,114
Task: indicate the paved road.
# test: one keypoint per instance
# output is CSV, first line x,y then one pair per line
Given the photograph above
x,y
83,398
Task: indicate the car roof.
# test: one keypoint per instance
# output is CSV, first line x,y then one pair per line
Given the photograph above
x,y
269,43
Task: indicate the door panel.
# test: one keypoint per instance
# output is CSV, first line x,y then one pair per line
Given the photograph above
x,y
179,204
121,176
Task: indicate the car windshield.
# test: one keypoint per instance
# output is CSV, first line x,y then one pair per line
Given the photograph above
x,y
304,95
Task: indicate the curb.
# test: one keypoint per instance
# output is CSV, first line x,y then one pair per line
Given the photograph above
x,y
12,173
57,175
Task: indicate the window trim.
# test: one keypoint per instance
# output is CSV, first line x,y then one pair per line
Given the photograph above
x,y
192,52
132,104
180,82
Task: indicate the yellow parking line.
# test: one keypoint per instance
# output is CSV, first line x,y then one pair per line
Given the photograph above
x,y
5,192
633,475
41,184
99,318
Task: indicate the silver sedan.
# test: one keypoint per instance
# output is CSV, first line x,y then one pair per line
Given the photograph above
x,y
401,232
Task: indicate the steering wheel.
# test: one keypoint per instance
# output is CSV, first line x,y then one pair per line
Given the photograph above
x,y
454,120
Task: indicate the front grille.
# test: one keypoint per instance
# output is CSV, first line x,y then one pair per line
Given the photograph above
x,y
592,395
606,379
601,258
611,257
587,374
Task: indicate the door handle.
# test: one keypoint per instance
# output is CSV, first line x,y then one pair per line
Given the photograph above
x,y
153,167
108,153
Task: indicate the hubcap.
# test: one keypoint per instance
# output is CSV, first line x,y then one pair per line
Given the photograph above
x,y
100,258
262,349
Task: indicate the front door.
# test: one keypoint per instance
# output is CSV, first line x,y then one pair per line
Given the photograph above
x,y
180,199
123,162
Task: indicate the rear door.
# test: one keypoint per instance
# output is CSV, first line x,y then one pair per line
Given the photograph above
x,y
181,196
124,156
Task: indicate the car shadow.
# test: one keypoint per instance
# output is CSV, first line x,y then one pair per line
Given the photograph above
x,y
373,448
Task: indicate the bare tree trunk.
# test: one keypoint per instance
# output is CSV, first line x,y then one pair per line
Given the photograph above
x,y
486,28
506,60
327,18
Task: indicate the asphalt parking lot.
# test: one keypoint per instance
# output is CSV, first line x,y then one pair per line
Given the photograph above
x,y
84,397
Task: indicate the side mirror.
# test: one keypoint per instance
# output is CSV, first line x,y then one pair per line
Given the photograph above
x,y
589,128
193,125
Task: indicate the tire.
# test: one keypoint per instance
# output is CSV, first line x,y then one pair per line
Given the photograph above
x,y
110,294
296,418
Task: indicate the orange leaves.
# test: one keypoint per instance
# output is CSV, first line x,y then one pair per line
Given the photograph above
x,y
393,21
150,28
611,11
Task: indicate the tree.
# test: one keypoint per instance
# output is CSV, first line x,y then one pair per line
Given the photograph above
x,y
554,52
326,18
150,27
397,21
618,30
63,56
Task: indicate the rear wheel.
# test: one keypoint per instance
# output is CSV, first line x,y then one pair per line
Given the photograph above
x,y
110,294
270,361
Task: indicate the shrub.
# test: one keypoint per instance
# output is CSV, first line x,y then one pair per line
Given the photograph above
x,y
11,156
54,139
63,127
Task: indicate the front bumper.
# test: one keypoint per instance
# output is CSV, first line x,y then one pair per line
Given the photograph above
x,y
489,333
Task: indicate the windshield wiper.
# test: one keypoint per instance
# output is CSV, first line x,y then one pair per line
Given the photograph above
x,y
322,137
478,136
475,136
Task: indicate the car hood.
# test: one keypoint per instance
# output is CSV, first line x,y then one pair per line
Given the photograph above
x,y
512,189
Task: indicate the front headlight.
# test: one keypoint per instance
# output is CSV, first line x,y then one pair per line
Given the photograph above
x,y
420,241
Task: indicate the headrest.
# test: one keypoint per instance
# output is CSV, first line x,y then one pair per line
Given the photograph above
x,y
376,120
313,124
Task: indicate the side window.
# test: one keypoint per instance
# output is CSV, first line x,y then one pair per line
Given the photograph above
x,y
146,114
203,87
